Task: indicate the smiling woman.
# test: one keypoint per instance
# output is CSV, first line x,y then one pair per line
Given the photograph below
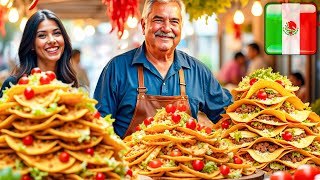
x,y
44,44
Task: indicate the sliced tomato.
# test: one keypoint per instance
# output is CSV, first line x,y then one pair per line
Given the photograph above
x,y
155,163
148,121
182,107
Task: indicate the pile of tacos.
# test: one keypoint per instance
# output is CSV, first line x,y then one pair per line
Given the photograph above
x,y
50,130
268,126
173,144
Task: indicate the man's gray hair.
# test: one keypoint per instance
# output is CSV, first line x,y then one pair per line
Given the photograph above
x,y
149,3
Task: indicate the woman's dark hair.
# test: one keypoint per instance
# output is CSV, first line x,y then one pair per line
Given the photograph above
x,y
299,77
28,56
255,46
238,55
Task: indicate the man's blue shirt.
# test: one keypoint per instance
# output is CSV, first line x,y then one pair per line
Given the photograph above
x,y
116,90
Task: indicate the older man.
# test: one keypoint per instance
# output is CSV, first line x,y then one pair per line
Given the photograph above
x,y
134,84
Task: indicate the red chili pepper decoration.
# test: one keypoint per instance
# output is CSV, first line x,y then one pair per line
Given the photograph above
x,y
3,11
119,11
33,4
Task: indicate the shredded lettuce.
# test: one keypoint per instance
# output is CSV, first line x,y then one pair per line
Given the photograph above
x,y
209,167
37,174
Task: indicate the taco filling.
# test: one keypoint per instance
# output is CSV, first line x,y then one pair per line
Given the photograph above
x,y
269,94
238,96
264,147
314,129
262,126
313,147
287,107
293,157
275,166
297,134
239,137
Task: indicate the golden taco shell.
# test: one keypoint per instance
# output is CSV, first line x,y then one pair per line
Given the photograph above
x,y
199,174
99,154
7,120
73,98
75,145
75,168
180,158
13,161
45,136
176,139
70,130
242,102
218,157
314,147
99,168
42,100
136,151
19,89
268,132
314,117
266,113
276,165
152,152
266,156
297,130
37,147
54,149
194,149
30,125
159,128
297,116
30,115
156,143
72,114
293,155
114,141
201,136
6,151
7,105
238,166
238,128
44,163
97,125
16,133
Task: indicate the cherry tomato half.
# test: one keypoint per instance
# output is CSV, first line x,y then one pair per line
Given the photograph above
x,y
28,93
281,175
252,81
26,177
191,124
287,136
96,114
23,80
237,160
225,124
44,79
35,70
28,140
148,121
100,176
155,163
89,151
176,117
306,172
64,157
224,170
170,108
198,165
138,128
208,130
51,75
182,107
262,95
129,172
175,152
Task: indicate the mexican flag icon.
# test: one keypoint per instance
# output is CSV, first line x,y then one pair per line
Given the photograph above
x,y
291,28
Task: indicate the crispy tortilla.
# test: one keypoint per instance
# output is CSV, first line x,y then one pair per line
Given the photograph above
x,y
158,170
296,164
6,122
180,158
44,163
72,114
30,125
73,98
75,145
42,100
180,174
99,154
30,115
268,132
182,139
37,147
70,130
159,128
16,133
144,156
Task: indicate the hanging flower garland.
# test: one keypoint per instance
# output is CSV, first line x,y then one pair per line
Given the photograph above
x,y
119,11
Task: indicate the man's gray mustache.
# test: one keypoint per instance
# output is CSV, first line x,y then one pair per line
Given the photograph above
x,y
161,33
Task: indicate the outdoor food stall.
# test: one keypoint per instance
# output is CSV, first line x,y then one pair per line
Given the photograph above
x,y
50,130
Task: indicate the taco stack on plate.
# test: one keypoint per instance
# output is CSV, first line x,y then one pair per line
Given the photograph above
x,y
268,126
173,144
49,130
